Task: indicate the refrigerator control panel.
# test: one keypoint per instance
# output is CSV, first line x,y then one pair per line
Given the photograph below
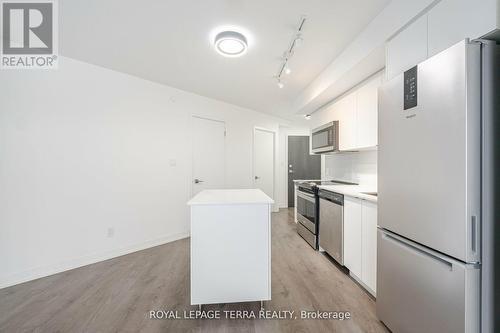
x,y
410,88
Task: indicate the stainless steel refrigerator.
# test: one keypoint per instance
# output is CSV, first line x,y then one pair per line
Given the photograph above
x,y
433,226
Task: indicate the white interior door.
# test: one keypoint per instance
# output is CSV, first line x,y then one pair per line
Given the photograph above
x,y
208,154
264,161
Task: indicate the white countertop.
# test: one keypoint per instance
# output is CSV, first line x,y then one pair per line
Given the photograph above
x,y
352,191
230,197
308,180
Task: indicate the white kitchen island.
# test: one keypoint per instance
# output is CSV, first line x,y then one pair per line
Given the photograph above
x,y
230,246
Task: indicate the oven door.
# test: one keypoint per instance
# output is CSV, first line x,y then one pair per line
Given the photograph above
x,y
306,210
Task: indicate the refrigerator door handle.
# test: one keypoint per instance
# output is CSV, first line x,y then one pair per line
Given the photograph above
x,y
419,249
475,233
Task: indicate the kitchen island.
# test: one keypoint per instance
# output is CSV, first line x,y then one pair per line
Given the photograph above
x,y
230,246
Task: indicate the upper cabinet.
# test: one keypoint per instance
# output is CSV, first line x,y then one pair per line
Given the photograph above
x,y
407,48
367,113
451,21
444,25
357,115
345,112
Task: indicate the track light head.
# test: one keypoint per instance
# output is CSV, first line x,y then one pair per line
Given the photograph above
x,y
298,40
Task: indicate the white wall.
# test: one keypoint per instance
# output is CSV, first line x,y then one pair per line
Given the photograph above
x,y
358,167
84,149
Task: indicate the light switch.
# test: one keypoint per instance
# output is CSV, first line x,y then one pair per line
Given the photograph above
x,y
172,162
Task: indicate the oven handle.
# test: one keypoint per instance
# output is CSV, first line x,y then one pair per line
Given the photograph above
x,y
306,196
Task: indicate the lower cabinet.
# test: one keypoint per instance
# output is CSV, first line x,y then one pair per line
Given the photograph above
x,y
360,240
352,235
369,244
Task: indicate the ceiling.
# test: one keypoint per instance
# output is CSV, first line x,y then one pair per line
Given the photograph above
x,y
169,42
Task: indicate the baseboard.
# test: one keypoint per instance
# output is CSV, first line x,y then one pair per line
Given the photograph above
x,y
44,271
363,285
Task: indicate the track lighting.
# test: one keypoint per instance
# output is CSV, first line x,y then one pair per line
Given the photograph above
x,y
287,55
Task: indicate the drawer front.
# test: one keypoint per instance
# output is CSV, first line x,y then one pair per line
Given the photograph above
x,y
419,290
308,236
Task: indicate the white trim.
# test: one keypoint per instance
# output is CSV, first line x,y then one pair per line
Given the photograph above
x,y
285,205
191,179
211,119
55,268
274,133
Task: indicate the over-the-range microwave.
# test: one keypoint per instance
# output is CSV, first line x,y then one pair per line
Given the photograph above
x,y
325,139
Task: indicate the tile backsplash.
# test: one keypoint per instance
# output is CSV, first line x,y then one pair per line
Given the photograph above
x,y
357,167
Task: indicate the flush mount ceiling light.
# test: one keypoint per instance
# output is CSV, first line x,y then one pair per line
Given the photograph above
x,y
230,43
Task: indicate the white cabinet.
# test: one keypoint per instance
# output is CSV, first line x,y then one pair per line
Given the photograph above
x,y
444,25
357,114
367,113
360,240
451,21
230,246
369,244
344,111
407,48
352,234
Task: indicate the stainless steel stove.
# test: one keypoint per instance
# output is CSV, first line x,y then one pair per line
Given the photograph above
x,y
308,209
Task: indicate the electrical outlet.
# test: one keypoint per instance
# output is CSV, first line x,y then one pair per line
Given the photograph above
x,y
111,232
172,162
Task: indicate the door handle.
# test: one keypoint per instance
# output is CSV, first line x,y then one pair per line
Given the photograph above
x,y
419,250
197,181
257,177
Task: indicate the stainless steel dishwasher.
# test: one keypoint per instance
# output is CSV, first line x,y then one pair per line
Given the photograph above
x,y
331,224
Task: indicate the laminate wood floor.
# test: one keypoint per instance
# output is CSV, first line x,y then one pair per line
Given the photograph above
x,y
116,295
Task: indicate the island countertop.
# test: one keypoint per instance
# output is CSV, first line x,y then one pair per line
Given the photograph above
x,y
230,246
230,197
